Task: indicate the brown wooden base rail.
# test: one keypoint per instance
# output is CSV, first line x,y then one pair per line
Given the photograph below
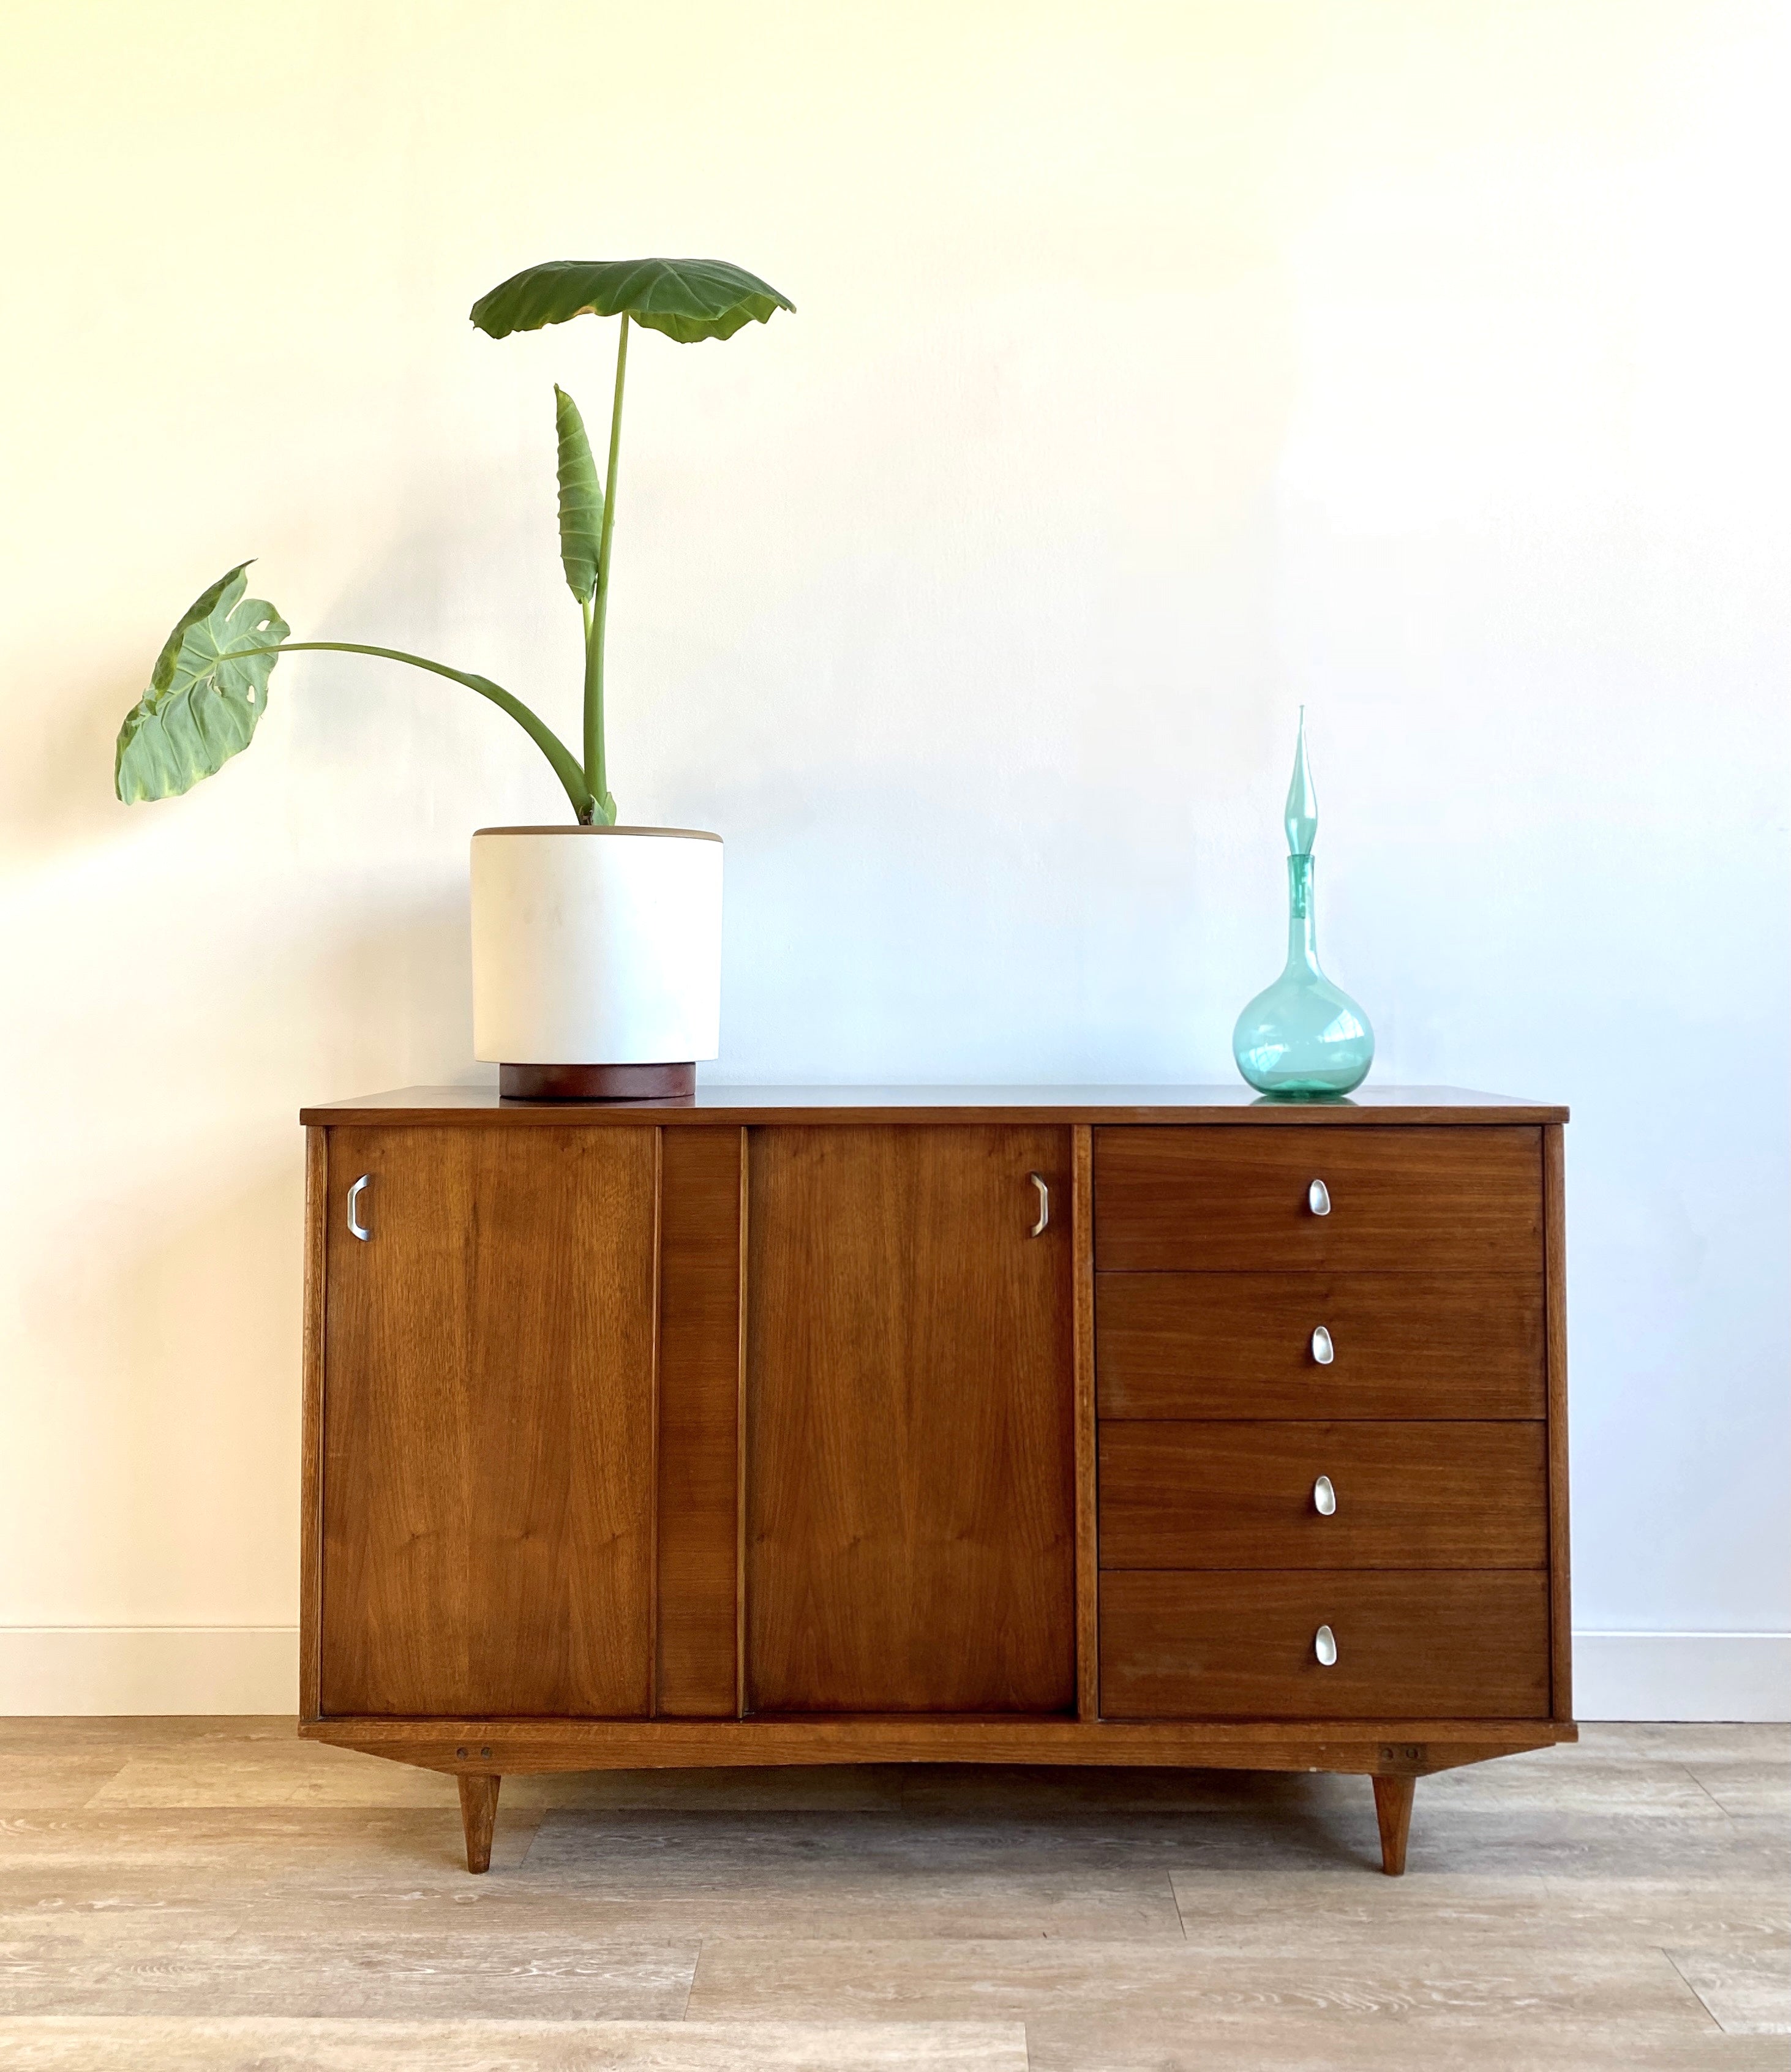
x,y
480,1753
1028,1426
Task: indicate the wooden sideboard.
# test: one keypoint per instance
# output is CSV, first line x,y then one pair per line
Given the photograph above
x,y
1050,1425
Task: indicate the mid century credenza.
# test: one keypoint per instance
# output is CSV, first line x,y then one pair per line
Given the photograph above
x,y
915,1425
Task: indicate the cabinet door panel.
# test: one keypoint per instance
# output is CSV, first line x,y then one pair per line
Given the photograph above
x,y
909,1441
487,1424
699,1466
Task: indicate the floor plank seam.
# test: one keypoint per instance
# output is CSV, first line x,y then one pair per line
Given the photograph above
x,y
1710,1794
696,1966
534,1835
1710,2012
1686,1770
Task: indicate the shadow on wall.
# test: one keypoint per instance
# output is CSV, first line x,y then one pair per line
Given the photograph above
x,y
469,586
167,1327
60,796
390,1005
160,1277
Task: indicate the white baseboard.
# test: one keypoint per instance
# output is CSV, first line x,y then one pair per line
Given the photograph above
x,y
1681,1675
61,1670
66,1670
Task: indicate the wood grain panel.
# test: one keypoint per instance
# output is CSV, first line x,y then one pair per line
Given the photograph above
x,y
1554,1210
1088,1559
488,1443
740,1431
1417,1645
1058,1106
1240,1344
1403,1201
522,1747
1216,1495
699,1422
910,1438
310,1438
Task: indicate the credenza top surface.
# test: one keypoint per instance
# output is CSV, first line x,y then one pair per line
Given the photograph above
x,y
483,1105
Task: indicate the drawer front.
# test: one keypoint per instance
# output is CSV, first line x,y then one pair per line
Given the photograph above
x,y
1240,1344
1448,1644
1243,1496
1230,1198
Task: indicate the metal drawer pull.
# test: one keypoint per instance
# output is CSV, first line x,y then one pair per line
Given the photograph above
x,y
1038,1229
1318,1198
1325,1498
1323,1350
357,1227
1324,1647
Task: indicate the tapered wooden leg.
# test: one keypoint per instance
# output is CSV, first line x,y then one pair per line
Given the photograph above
x,y
1393,1811
478,1814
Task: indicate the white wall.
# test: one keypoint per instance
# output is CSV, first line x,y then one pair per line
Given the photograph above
x,y
1156,370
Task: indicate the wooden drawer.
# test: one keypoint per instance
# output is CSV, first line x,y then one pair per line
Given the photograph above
x,y
1240,1496
1449,1644
1403,1201
1240,1344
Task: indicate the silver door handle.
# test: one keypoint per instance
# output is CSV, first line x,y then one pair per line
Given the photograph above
x,y
1039,1228
1324,1647
1323,1350
1318,1198
357,1227
1325,1498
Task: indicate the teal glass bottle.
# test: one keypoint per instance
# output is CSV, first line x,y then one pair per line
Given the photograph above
x,y
1302,1039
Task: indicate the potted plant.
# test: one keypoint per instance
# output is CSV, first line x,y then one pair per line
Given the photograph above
x,y
596,948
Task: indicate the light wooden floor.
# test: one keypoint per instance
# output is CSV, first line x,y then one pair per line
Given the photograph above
x,y
215,1892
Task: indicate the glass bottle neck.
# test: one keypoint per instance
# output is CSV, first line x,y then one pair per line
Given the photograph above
x,y
1302,925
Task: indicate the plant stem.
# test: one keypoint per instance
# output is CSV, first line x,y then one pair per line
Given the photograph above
x,y
593,660
565,763
596,765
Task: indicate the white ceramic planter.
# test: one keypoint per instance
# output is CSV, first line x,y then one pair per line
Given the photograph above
x,y
596,958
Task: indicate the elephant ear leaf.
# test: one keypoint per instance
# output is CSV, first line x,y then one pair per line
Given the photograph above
x,y
686,299
206,695
580,499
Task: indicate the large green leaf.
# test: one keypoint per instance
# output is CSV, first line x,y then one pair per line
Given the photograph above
x,y
580,499
686,299
206,695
